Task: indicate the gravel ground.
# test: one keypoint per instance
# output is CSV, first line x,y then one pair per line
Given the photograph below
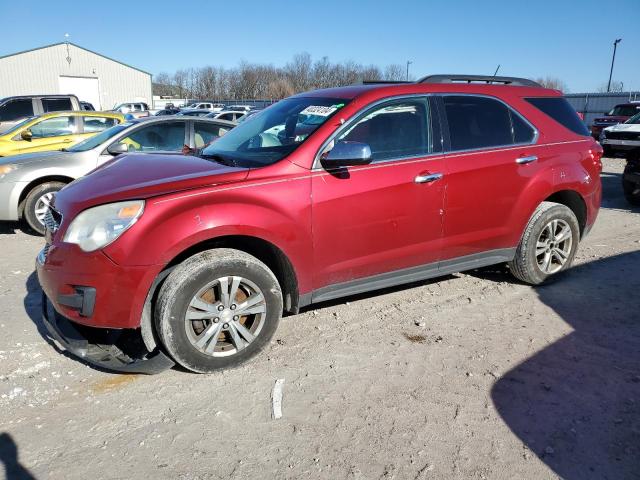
x,y
473,376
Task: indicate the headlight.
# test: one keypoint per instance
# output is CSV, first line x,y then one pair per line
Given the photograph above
x,y
7,168
602,136
97,227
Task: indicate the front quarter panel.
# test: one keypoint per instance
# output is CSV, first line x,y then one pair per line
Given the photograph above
x,y
275,208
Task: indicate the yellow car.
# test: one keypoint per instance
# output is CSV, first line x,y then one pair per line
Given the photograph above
x,y
55,131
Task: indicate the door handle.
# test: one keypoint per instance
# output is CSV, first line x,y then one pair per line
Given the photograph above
x,y
525,160
428,178
67,141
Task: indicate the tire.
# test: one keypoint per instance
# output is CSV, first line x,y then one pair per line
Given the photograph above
x,y
529,267
213,339
33,204
631,190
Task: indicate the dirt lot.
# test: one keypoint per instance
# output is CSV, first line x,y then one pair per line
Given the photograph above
x,y
473,376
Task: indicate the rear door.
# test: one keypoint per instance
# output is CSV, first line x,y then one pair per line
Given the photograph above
x,y
491,158
385,216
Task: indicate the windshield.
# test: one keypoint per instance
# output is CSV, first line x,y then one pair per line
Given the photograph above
x,y
634,119
99,139
625,110
273,133
18,126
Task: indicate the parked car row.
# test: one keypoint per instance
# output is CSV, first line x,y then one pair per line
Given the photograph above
x,y
157,259
28,181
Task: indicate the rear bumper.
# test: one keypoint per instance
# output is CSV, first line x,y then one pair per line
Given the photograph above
x,y
9,197
109,355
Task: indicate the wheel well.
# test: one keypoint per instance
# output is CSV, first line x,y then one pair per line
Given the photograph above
x,y
574,201
35,183
266,252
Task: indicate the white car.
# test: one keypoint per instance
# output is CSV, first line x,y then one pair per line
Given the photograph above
x,y
229,115
622,138
135,109
211,107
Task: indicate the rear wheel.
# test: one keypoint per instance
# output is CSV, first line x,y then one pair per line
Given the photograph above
x,y
548,245
218,309
37,202
631,189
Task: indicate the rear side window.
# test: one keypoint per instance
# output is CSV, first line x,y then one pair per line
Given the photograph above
x,y
559,109
482,122
15,109
56,104
206,133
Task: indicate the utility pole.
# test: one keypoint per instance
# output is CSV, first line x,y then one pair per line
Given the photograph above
x,y
613,59
409,62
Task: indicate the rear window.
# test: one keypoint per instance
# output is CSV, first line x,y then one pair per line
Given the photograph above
x,y
561,111
56,104
624,110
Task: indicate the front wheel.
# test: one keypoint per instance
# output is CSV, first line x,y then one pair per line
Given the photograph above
x,y
548,245
37,202
217,309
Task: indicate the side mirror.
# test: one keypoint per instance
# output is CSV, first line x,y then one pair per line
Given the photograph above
x,y
26,135
345,154
118,148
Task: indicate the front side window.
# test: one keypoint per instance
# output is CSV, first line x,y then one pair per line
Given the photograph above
x,y
274,133
98,124
56,104
54,127
92,142
15,109
482,122
392,131
166,137
206,133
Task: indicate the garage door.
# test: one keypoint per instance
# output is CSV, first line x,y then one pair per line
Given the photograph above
x,y
86,89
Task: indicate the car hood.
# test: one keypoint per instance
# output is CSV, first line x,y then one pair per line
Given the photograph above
x,y
141,176
611,119
25,158
624,127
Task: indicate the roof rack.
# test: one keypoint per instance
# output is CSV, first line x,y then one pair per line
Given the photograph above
x,y
488,79
382,82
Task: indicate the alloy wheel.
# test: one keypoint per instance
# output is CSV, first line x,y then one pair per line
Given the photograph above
x,y
225,316
553,247
42,205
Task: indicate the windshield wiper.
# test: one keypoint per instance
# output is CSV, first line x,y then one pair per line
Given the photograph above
x,y
220,159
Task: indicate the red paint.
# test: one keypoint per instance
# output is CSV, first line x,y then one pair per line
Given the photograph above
x,y
333,229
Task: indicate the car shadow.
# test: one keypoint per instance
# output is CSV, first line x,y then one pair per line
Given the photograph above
x,y
11,228
576,403
13,469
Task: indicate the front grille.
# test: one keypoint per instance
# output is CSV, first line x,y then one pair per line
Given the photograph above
x,y
52,219
622,135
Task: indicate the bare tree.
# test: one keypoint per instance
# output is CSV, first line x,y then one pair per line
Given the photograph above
x,y
253,81
616,87
553,82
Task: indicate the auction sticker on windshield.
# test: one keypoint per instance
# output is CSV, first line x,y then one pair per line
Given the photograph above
x,y
318,110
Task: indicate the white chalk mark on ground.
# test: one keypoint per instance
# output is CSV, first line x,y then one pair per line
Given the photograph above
x,y
276,399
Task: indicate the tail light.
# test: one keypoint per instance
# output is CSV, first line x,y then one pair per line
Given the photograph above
x,y
596,156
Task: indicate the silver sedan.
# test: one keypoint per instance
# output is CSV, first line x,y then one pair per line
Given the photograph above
x,y
28,182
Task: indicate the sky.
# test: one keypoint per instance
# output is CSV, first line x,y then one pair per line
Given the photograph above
x,y
570,40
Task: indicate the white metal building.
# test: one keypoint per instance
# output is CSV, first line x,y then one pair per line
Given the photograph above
x,y
67,68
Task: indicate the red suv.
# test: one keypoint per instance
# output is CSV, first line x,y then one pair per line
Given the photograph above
x,y
155,259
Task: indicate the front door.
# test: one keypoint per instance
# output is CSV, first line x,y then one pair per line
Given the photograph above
x,y
385,216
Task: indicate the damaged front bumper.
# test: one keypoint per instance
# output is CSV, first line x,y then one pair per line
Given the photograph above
x,y
101,347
